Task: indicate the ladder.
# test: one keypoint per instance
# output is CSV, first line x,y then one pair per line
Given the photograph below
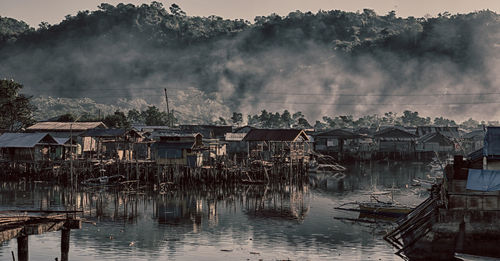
x,y
413,226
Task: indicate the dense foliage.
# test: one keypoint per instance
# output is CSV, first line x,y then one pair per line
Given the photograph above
x,y
16,111
406,119
128,51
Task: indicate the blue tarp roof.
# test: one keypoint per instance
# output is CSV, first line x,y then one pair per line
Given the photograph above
x,y
25,140
483,180
492,141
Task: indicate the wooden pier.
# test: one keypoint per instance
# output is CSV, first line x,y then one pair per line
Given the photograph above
x,y
452,220
21,224
152,174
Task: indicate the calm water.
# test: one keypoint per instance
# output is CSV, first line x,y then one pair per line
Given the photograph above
x,y
249,223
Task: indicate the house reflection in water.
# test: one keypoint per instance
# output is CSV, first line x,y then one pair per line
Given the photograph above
x,y
185,211
286,203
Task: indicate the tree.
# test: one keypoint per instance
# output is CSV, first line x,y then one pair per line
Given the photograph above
x,y
469,124
237,118
117,120
253,120
329,121
286,119
154,117
221,121
135,116
410,118
16,111
264,118
68,117
44,26
319,126
176,10
303,123
440,121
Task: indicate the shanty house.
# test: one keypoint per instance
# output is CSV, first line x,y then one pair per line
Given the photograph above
x,y
117,143
236,147
337,140
487,157
395,140
448,131
208,131
473,140
435,142
177,148
213,149
107,143
65,129
66,145
68,129
28,146
267,144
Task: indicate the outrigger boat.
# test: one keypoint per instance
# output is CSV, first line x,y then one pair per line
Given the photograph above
x,y
384,209
104,180
326,168
377,209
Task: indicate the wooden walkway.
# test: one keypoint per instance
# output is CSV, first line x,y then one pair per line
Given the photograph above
x,y
23,223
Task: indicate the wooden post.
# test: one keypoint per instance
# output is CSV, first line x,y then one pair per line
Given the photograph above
x,y
65,235
22,248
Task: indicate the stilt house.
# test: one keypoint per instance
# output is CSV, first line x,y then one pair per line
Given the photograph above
x,y
285,144
28,147
177,148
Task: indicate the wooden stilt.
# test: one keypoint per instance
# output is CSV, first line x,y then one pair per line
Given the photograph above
x,y
65,236
22,248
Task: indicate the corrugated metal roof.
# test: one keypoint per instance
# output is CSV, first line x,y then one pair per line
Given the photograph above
x,y
339,133
396,133
235,136
149,128
476,155
104,133
475,133
449,131
65,126
61,141
172,133
436,137
173,145
25,140
274,135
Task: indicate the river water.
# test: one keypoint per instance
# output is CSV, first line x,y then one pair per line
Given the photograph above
x,y
296,222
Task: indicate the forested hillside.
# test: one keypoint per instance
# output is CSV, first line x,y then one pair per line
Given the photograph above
x,y
320,63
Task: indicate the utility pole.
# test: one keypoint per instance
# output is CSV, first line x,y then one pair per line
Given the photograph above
x,y
168,109
71,152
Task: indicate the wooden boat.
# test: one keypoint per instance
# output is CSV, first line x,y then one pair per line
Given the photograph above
x,y
376,208
104,180
384,209
326,168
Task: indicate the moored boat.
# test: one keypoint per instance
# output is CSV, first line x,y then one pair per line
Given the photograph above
x,y
385,209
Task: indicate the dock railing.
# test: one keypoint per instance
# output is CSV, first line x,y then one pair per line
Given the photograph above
x,y
413,226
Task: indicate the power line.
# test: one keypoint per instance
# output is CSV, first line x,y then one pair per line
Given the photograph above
x,y
381,95
387,104
306,94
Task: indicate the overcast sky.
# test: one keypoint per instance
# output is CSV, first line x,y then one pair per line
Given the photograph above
x,y
53,11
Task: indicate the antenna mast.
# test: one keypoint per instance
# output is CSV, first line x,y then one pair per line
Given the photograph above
x,y
168,110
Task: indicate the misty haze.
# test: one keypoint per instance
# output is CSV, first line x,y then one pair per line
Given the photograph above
x,y
327,63
143,132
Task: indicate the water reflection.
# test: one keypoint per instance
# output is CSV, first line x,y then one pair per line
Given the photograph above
x,y
293,221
